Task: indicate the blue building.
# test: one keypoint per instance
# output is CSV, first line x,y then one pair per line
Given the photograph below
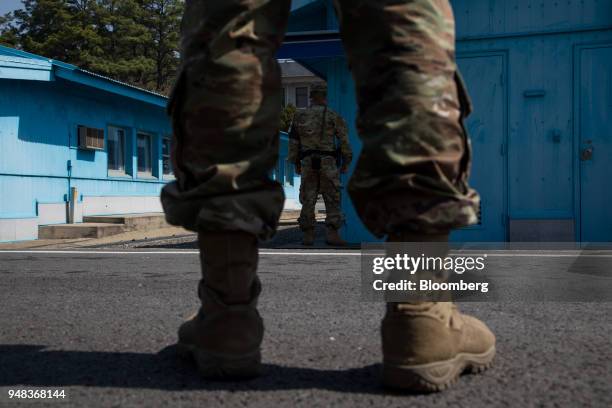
x,y
539,73
540,76
284,173
61,128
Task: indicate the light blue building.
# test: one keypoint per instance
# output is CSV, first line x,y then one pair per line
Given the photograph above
x,y
284,173
62,128
540,76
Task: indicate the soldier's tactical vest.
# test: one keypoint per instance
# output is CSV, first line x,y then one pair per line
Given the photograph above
x,y
315,155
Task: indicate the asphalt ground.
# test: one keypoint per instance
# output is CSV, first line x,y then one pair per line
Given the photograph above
x,y
101,325
286,237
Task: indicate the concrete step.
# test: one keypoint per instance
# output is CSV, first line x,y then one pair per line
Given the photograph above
x,y
132,222
101,226
83,230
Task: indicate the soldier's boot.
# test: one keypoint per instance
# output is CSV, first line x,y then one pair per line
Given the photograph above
x,y
309,237
333,237
427,345
224,336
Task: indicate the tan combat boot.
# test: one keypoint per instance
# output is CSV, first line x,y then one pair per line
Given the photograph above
x,y
224,337
333,238
426,346
309,237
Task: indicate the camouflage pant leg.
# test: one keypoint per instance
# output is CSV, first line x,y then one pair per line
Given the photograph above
x,y
225,111
414,165
309,192
329,185
326,182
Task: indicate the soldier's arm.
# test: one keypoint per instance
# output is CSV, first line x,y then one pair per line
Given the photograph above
x,y
345,147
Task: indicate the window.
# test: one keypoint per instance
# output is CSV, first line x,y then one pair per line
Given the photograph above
x,y
166,149
143,145
284,101
301,97
116,150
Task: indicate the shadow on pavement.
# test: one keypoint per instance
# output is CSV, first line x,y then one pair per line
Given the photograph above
x,y
32,365
287,237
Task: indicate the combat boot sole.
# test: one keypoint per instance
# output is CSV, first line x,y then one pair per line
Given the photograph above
x,y
222,366
436,376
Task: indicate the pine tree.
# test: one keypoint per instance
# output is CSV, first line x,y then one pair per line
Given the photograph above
x,y
8,32
162,18
42,27
135,41
124,40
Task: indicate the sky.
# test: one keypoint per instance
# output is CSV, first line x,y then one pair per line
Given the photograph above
x,y
9,5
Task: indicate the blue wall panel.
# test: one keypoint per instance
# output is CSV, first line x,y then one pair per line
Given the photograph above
x,y
487,127
18,195
537,165
542,153
594,104
508,17
38,139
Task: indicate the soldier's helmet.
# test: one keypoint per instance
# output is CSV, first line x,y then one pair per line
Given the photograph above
x,y
320,88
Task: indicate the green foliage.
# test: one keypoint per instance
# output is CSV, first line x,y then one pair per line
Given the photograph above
x,y
287,117
135,41
8,35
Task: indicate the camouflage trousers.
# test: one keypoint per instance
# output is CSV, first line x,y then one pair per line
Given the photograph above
x,y
325,181
414,165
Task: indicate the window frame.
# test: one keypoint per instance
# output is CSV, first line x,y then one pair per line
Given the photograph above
x,y
145,174
115,172
165,175
307,96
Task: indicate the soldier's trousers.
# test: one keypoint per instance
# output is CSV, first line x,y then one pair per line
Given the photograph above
x,y
324,181
413,169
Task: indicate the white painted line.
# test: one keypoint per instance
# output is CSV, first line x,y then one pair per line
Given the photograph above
x,y
313,253
294,253
576,255
89,252
86,252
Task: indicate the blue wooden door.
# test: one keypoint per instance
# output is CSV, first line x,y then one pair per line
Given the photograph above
x,y
484,76
595,144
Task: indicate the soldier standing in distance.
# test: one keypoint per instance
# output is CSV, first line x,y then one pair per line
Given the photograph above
x,y
409,184
314,134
